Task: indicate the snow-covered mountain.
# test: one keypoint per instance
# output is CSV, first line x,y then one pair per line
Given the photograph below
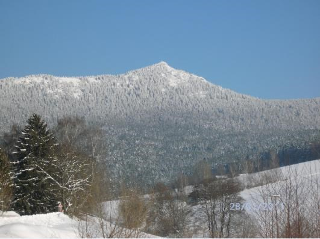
x,y
158,92
162,121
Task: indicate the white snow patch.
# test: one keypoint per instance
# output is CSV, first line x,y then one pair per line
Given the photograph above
x,y
51,225
9,214
111,208
174,80
28,79
92,80
69,80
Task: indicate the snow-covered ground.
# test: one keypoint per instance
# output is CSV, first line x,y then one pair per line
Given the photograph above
x,y
303,173
305,169
52,225
58,225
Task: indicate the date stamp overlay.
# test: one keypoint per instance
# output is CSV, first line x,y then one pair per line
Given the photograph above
x,y
256,206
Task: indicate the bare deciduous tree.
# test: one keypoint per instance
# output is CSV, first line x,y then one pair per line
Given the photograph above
x,y
5,182
104,221
74,179
215,198
168,213
132,209
202,171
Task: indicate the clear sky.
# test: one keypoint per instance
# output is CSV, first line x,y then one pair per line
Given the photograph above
x,y
268,49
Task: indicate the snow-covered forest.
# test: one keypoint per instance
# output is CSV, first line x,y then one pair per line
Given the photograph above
x,y
161,122
155,152
154,94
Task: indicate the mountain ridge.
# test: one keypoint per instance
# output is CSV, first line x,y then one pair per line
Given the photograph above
x,y
154,67
162,121
162,65
151,90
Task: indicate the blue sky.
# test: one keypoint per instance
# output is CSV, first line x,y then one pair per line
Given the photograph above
x,y
268,49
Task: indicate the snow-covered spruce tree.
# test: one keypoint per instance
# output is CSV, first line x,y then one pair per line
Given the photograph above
x,y
5,182
34,169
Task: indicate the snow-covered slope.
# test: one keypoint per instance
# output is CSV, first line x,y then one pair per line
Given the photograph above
x,y
51,225
160,121
284,188
303,173
155,93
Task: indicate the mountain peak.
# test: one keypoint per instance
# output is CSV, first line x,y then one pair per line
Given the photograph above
x,y
162,64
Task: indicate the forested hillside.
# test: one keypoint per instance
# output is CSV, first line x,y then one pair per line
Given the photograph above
x,y
157,93
160,121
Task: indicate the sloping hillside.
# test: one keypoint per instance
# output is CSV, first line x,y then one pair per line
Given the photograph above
x,y
160,121
156,94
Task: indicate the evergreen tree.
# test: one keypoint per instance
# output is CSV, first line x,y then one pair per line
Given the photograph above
x,y
34,168
5,182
